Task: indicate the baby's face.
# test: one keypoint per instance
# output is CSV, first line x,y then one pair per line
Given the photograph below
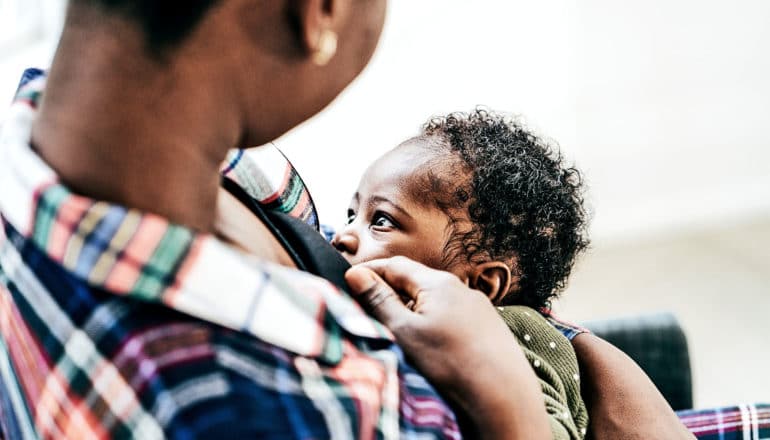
x,y
386,216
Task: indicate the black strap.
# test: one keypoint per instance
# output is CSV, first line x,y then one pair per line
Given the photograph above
x,y
306,247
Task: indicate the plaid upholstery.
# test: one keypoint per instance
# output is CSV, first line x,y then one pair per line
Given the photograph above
x,y
117,323
742,422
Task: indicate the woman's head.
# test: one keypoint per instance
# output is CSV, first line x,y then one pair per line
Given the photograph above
x,y
507,214
276,62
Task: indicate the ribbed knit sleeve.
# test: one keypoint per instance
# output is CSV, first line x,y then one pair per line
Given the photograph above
x,y
553,360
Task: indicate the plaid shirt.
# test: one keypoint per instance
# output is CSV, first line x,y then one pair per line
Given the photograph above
x,y
117,323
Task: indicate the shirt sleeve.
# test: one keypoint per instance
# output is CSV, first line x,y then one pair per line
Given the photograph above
x,y
554,362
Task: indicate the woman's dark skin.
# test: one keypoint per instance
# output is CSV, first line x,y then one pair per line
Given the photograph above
x,y
439,300
621,400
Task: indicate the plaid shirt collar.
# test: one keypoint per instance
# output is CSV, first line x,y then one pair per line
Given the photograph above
x,y
141,255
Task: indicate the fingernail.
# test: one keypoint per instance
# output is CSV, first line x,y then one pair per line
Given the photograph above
x,y
360,279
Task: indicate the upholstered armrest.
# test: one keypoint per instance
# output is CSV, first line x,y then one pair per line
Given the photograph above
x,y
657,343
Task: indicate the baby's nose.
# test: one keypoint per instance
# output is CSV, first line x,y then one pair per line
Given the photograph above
x,y
346,241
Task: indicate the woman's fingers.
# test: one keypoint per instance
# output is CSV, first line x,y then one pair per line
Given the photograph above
x,y
402,274
454,336
376,296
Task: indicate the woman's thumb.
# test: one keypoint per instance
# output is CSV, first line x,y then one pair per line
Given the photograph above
x,y
376,296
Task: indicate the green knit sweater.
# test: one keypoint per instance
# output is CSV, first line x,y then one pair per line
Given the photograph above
x,y
553,360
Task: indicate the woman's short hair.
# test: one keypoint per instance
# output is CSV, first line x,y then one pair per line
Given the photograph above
x,y
165,22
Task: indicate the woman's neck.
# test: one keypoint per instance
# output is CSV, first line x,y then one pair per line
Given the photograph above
x,y
118,126
238,226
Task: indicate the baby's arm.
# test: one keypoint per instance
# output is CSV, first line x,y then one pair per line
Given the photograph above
x,y
552,358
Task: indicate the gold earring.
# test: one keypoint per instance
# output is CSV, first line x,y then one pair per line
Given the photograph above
x,y
327,47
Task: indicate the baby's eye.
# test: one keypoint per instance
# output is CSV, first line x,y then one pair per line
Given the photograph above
x,y
382,220
351,217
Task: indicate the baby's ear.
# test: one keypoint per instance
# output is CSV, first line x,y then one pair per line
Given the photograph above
x,y
493,278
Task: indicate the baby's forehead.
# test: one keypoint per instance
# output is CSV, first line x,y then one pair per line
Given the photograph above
x,y
403,162
418,171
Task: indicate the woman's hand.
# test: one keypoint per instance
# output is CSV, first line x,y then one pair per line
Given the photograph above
x,y
454,336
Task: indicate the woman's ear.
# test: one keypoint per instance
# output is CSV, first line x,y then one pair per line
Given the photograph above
x,y
493,278
316,21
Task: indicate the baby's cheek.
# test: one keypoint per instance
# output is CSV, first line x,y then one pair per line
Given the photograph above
x,y
372,250
425,253
456,262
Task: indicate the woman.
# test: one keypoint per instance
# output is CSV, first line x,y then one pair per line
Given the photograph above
x,y
141,300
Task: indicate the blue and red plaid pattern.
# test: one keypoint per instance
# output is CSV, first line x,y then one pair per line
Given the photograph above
x,y
742,422
117,323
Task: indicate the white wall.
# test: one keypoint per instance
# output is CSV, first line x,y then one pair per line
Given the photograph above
x,y
29,30
672,106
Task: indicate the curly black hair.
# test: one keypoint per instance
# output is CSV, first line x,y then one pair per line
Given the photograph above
x,y
525,205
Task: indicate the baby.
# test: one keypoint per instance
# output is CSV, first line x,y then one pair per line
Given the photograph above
x,y
483,198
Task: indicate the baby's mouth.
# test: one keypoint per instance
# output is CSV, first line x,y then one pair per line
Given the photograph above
x,y
348,257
